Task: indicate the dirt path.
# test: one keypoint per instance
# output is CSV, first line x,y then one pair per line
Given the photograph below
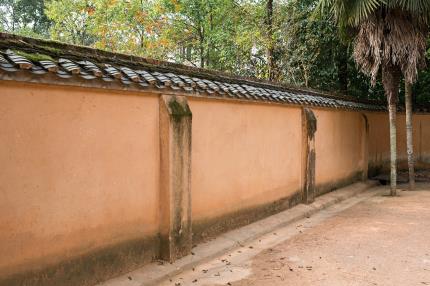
x,y
367,240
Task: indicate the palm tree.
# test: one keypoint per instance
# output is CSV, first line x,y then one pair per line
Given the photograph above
x,y
389,37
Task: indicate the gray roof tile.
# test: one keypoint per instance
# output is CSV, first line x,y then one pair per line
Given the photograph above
x,y
113,72
49,66
91,67
69,66
18,60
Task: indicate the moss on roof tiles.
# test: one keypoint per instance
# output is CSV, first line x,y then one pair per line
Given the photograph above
x,y
34,57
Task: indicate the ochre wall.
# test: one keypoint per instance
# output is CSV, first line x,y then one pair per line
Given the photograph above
x,y
339,143
379,139
80,171
81,168
244,155
422,127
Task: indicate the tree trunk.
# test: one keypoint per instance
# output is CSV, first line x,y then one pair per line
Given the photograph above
x,y
270,44
392,109
202,51
409,140
342,69
390,80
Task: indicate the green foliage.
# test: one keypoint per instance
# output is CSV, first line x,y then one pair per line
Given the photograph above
x,y
310,48
226,35
71,21
421,89
25,17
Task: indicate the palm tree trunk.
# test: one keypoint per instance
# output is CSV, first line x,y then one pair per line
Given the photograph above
x,y
390,80
409,140
392,109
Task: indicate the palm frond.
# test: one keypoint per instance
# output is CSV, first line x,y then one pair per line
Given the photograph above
x,y
389,32
418,8
360,10
414,6
353,12
403,46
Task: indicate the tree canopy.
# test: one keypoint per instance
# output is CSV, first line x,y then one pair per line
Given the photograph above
x,y
268,39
